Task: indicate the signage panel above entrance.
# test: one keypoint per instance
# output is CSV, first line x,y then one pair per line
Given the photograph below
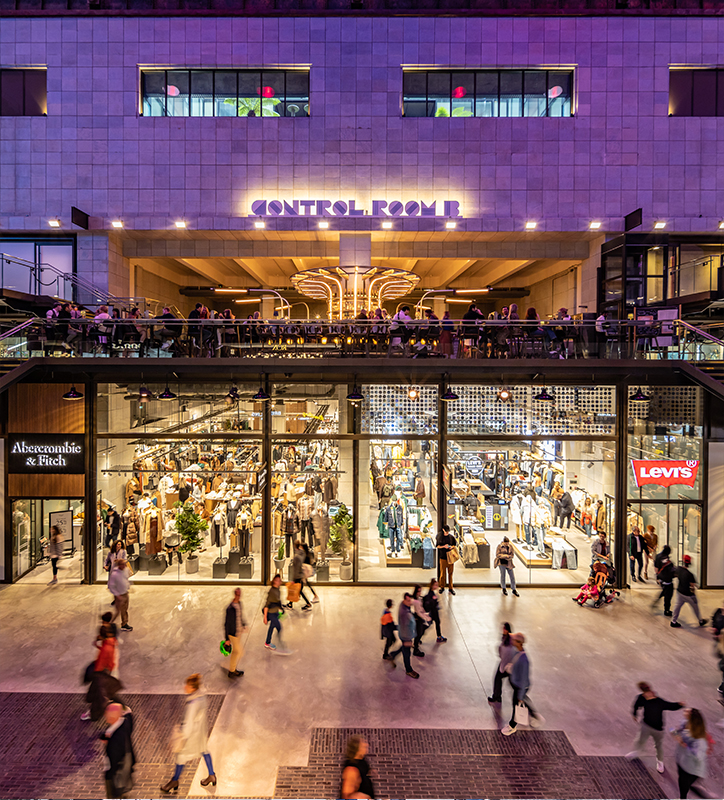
x,y
665,473
46,452
348,208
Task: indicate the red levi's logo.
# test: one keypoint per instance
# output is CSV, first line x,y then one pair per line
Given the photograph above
x,y
665,473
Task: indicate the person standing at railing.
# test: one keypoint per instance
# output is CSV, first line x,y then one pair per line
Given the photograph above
x,y
447,329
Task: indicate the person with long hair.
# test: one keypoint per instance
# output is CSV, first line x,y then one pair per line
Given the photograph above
x,y
506,652
447,329
191,740
691,753
356,771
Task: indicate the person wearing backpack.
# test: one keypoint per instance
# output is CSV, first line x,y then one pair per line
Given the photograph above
x,y
387,629
431,604
665,578
308,569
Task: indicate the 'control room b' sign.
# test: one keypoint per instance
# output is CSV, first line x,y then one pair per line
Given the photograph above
x,y
46,452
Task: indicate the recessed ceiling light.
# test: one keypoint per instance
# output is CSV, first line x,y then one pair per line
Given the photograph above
x,y
260,225
659,225
387,225
180,223
54,223
451,225
323,225
117,223
594,226
530,226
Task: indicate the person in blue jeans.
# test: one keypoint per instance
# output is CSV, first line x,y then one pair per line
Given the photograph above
x,y
395,518
504,560
272,609
406,630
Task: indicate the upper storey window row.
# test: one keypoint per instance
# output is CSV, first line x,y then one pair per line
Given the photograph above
x,y
225,93
696,93
23,93
487,93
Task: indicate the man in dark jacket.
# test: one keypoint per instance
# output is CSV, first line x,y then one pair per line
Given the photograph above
x,y
566,508
119,750
636,547
685,593
665,577
652,724
234,626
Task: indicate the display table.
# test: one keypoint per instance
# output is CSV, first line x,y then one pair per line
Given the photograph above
x,y
531,558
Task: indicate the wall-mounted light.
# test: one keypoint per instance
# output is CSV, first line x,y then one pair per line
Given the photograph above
x,y
721,226
260,225
659,226
594,226
450,225
504,395
530,225
387,225
323,225
180,223
413,393
54,223
117,223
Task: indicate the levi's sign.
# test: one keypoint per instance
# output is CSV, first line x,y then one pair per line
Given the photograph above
x,y
46,452
665,473
348,208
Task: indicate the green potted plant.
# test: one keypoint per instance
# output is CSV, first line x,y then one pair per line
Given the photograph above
x,y
189,527
279,560
255,106
341,540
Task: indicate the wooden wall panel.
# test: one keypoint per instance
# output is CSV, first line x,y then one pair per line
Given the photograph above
x,y
40,408
46,486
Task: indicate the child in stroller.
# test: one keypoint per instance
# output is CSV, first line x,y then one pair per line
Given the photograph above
x,y
589,591
604,576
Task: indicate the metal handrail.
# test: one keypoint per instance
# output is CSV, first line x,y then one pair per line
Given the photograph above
x,y
18,328
698,331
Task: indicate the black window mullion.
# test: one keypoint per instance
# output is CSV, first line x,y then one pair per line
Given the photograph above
x,y
213,93
427,94
548,92
498,74
285,94
522,94
188,83
23,74
165,93
450,92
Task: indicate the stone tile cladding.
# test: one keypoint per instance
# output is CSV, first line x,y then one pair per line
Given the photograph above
x,y
620,151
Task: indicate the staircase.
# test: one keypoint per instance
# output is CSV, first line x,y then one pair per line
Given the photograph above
x,y
8,365
440,762
714,369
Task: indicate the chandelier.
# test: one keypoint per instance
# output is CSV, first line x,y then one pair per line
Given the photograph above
x,y
347,290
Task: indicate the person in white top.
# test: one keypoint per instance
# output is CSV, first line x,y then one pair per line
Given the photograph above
x,y
119,583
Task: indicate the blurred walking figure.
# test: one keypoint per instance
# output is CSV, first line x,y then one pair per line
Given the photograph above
x,y
665,573
191,740
55,551
119,582
691,753
387,629
407,632
356,772
506,651
234,627
519,671
119,750
431,603
272,609
422,620
685,593
652,723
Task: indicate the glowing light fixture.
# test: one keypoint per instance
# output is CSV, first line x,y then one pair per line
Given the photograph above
x,y
260,224
73,394
448,395
54,223
639,397
659,226
594,226
180,223
450,225
530,225
721,226
261,396
233,395
167,394
323,225
387,225
117,223
145,393
412,393
355,397
504,395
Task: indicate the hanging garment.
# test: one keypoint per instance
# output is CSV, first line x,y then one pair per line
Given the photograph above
x,y
419,490
382,524
428,553
330,489
218,529
153,534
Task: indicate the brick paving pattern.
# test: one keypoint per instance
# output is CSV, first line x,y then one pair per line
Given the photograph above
x,y
47,751
440,763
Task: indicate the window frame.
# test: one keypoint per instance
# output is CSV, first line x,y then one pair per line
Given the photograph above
x,y
23,71
684,94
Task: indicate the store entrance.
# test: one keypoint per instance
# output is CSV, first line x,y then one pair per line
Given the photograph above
x,y
31,520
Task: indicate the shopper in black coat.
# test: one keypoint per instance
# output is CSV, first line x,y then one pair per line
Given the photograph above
x,y
119,750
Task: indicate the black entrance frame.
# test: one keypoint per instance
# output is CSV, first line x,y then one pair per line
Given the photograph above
x,y
356,371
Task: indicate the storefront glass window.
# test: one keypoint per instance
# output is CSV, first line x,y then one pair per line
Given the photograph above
x,y
145,485
398,500
312,502
395,409
308,410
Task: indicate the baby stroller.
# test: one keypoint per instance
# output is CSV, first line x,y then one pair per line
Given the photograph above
x,y
605,575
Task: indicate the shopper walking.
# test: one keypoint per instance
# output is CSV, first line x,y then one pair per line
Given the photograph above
x,y
422,620
652,722
506,652
120,756
685,593
103,686
387,629
308,568
406,631
272,611
431,604
55,551
504,560
298,575
116,552
234,627
119,584
191,740
519,671
356,771
445,564
652,545
691,752
636,548
665,578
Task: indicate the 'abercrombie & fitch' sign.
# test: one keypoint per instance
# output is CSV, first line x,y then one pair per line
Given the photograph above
x,y
665,473
46,452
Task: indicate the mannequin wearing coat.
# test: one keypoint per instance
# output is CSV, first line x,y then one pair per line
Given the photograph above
x,y
192,739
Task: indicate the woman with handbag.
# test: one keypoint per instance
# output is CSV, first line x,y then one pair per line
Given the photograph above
x,y
447,555
519,671
504,560
191,739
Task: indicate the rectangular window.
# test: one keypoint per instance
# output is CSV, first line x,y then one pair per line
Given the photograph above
x,y
225,93
696,93
23,93
487,93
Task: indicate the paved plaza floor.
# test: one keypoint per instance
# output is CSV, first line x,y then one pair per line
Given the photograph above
x,y
277,730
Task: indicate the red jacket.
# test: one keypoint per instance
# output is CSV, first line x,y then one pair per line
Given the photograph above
x,y
107,656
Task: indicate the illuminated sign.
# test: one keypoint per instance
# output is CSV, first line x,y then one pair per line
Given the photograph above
x,y
51,453
348,208
665,473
